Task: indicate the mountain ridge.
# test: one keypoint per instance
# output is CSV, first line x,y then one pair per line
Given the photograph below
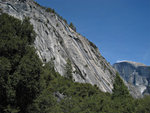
x,y
132,62
136,74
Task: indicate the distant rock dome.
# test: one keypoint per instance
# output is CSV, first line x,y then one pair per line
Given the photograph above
x,y
137,74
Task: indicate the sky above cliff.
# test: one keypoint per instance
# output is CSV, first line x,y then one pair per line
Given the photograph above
x,y
119,28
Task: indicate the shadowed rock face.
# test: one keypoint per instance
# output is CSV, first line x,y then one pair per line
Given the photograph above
x,y
57,42
136,74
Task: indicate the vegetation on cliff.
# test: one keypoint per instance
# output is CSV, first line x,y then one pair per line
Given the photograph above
x,y
26,86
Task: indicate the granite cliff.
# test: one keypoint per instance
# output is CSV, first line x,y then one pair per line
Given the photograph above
x,y
136,74
57,42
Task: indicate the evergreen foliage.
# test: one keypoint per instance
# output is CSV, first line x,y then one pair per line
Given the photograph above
x,y
65,21
93,45
1,10
68,70
123,101
50,10
28,87
20,67
119,88
143,105
72,26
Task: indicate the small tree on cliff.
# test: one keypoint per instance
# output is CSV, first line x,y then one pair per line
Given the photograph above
x,y
68,70
72,26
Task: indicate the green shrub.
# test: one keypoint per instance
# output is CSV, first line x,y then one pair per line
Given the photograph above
x,y
65,21
72,26
57,25
93,45
39,5
1,10
50,10
68,70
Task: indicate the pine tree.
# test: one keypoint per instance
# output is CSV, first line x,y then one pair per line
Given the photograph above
x,y
123,101
20,67
68,70
120,90
72,26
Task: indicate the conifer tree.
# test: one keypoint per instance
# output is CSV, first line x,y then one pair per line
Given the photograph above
x,y
72,26
123,101
120,90
68,70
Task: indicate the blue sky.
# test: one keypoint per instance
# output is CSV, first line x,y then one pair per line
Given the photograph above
x,y
119,28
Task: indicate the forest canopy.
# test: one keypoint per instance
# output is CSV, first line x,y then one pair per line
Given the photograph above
x,y
28,87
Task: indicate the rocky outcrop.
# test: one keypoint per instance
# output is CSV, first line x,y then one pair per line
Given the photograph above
x,y
136,74
57,42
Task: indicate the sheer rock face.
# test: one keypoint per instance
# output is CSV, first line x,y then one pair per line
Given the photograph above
x,y
136,74
56,41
